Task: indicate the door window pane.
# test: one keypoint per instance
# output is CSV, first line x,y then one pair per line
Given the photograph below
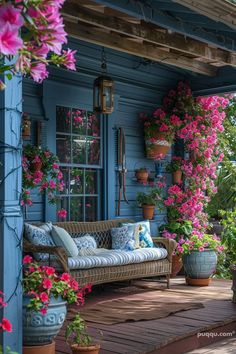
x,y
63,119
90,208
63,145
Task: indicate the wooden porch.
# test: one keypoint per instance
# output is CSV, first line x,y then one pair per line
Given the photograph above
x,y
177,333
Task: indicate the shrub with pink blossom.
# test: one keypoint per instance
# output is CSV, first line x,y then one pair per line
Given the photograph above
x,y
40,170
42,282
33,32
200,242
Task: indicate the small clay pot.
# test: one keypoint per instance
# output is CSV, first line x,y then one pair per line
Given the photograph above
x,y
142,176
177,176
148,211
198,282
91,349
177,264
40,349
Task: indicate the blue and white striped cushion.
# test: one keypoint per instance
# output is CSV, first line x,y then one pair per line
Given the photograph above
x,y
108,258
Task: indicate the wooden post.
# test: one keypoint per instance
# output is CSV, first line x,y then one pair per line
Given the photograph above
x,y
11,219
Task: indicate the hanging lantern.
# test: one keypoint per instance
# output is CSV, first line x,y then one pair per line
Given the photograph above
x,y
103,98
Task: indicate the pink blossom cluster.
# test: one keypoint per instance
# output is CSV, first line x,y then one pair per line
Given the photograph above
x,y
34,32
5,324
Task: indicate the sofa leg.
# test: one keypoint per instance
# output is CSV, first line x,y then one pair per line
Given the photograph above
x,y
168,281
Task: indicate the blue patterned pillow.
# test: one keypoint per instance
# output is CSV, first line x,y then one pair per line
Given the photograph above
x,y
134,227
122,238
86,241
145,238
38,236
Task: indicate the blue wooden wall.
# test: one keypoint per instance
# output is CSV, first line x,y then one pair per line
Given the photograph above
x,y
139,87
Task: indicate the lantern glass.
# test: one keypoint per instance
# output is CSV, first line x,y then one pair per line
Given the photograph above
x,y
103,94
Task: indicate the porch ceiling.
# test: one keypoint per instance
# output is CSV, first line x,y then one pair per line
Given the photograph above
x,y
178,41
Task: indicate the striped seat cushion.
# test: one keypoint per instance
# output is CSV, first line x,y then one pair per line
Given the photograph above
x,y
108,258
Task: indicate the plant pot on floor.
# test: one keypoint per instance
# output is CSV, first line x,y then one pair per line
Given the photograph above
x,y
39,329
40,349
148,211
199,267
177,176
91,349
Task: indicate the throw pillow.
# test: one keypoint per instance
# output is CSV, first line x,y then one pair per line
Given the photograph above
x,y
85,241
63,239
122,238
38,236
136,229
145,238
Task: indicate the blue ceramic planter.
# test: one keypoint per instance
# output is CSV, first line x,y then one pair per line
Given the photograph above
x,y
41,329
200,265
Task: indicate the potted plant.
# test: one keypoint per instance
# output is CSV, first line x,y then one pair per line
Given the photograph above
x,y
177,230
45,296
200,257
78,338
40,171
174,167
148,201
142,175
229,241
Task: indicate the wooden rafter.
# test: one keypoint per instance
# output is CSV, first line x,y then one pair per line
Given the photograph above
x,y
145,50
149,33
217,10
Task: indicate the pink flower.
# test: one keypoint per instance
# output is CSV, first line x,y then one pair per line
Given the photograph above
x,y
62,213
47,283
52,184
10,43
6,325
69,59
49,270
27,259
65,277
44,297
201,249
9,14
43,311
38,72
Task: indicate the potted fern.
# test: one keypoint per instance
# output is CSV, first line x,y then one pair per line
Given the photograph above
x,y
78,338
148,201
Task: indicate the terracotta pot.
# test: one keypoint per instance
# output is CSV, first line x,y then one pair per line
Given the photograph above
x,y
142,176
198,282
148,211
26,124
177,176
35,166
91,349
40,349
159,148
177,264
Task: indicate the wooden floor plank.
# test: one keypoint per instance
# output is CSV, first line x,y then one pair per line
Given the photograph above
x,y
146,337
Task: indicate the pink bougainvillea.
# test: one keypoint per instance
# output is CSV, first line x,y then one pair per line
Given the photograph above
x,y
197,122
34,32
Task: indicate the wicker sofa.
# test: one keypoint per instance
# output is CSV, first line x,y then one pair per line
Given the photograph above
x,y
99,275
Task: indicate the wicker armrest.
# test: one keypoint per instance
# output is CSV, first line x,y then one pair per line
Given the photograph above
x,y
61,254
169,244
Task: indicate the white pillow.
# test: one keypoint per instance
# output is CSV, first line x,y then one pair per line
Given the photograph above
x,y
63,239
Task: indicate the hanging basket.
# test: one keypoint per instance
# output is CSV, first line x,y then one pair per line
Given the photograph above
x,y
157,146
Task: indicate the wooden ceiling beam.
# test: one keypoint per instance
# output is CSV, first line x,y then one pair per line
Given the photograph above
x,y
149,33
218,10
148,51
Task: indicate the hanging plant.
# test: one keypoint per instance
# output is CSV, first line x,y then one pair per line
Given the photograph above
x,y
40,171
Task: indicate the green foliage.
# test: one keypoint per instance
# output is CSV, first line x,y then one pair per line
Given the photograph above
x,y
181,229
76,332
229,233
152,198
9,351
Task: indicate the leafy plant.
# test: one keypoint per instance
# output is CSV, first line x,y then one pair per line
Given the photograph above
x,y
198,242
152,198
174,165
76,332
229,233
42,282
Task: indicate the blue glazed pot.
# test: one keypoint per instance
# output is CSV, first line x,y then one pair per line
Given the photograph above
x,y
200,265
42,329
